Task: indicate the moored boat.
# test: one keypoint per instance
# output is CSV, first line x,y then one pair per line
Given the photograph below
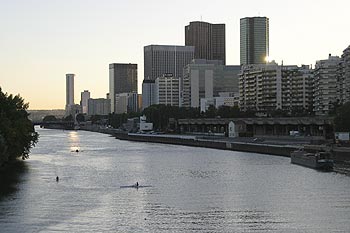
x,y
318,160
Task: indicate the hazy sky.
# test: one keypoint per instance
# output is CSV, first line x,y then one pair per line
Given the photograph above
x,y
42,40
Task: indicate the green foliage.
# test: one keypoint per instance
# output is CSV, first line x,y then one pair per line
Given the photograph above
x,y
159,114
17,135
210,113
80,117
49,118
342,119
68,118
228,112
117,120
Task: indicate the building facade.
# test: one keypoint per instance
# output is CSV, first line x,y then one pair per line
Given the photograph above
x,y
268,87
217,102
122,79
297,91
344,77
148,93
69,92
168,90
206,79
254,40
208,39
99,106
162,59
126,102
85,95
326,87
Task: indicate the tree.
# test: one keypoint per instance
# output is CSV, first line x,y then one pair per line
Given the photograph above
x,y
211,112
49,118
160,114
17,134
228,112
341,121
68,118
80,117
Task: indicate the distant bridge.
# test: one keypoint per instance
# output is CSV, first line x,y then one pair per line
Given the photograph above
x,y
56,124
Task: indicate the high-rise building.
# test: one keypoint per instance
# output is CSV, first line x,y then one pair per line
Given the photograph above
x,y
126,102
206,79
254,40
122,79
162,59
208,39
168,90
148,93
69,92
99,106
325,88
85,95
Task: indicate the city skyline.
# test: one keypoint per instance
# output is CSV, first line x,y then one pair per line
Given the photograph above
x,y
43,41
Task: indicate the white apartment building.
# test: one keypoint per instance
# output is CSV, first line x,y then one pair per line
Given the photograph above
x,y
168,90
297,92
344,77
269,87
325,88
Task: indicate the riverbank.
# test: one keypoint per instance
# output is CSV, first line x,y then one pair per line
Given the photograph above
x,y
277,147
198,141
216,143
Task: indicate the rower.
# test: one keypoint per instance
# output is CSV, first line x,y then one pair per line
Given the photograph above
x,y
57,178
137,184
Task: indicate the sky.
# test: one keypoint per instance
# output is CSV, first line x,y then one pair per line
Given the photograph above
x,y
42,40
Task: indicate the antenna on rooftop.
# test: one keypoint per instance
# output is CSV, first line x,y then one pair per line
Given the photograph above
x,y
201,18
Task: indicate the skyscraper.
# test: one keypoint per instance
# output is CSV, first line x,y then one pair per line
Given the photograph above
x,y
254,40
208,40
162,59
122,79
69,91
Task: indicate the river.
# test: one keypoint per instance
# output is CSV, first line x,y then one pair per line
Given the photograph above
x,y
192,190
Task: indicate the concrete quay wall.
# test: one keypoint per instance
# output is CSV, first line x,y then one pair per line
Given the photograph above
x,y
234,146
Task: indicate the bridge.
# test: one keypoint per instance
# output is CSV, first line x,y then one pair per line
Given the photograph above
x,y
56,124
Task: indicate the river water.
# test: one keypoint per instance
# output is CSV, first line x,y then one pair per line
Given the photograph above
x,y
192,190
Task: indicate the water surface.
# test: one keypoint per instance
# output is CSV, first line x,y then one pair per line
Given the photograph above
x,y
193,190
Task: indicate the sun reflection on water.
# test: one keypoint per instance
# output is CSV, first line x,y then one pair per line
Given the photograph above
x,y
74,141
